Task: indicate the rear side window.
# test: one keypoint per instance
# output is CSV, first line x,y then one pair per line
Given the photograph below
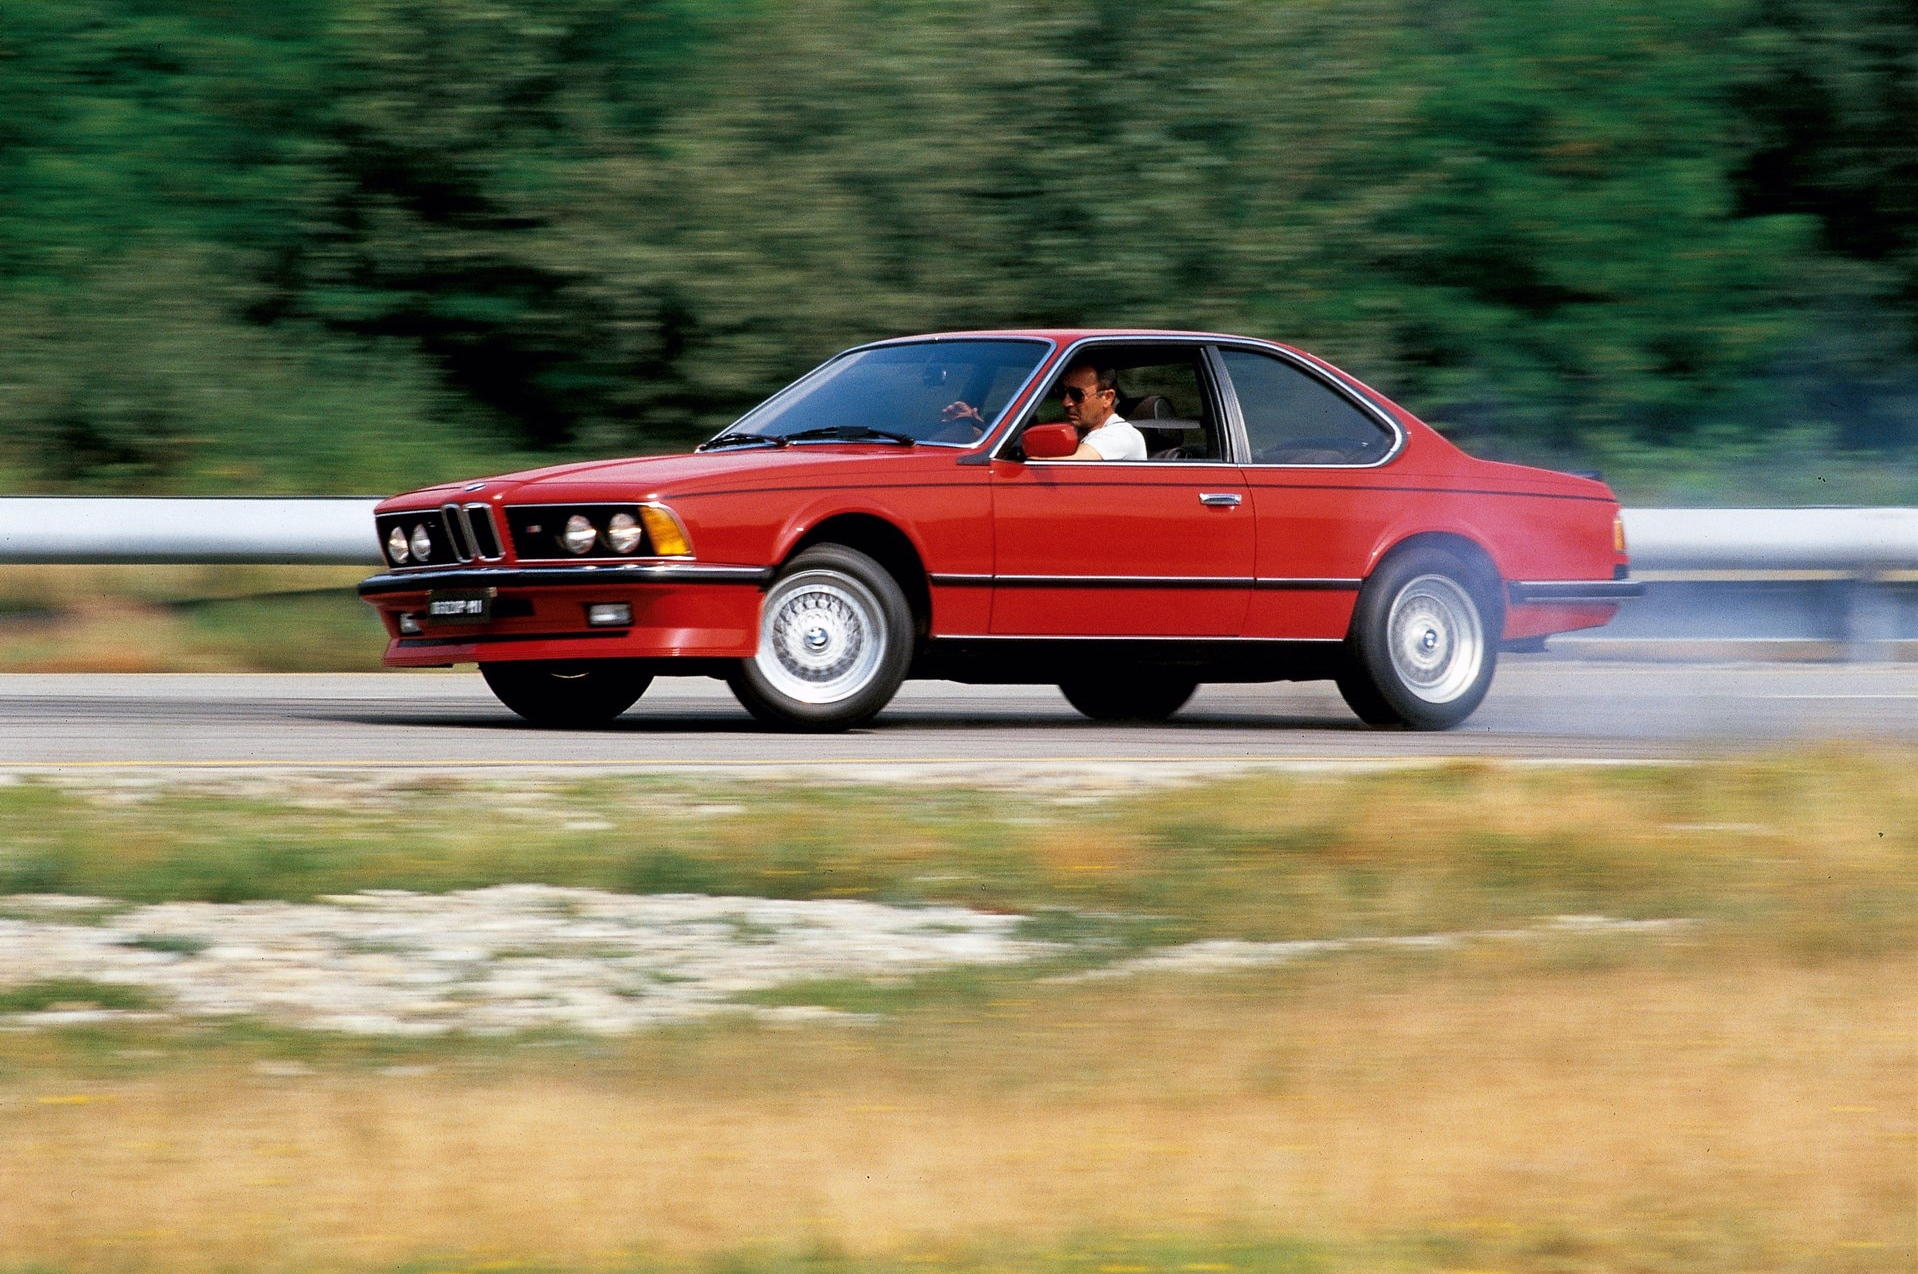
x,y
1293,417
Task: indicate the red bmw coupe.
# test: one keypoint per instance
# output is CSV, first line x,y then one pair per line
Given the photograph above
x,y
929,507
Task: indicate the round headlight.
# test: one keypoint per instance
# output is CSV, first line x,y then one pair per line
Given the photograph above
x,y
396,546
579,535
422,543
623,533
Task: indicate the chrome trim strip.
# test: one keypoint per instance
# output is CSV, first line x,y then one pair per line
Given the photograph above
x,y
584,575
1108,581
1177,466
1574,591
492,524
1185,640
1145,581
458,537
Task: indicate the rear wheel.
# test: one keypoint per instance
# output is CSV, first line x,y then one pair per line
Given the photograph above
x,y
567,694
835,640
1423,644
1129,697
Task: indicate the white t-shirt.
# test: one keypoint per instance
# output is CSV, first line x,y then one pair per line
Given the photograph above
x,y
1116,439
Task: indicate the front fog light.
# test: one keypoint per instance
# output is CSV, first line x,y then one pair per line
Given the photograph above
x,y
422,543
396,547
623,533
610,615
410,624
579,535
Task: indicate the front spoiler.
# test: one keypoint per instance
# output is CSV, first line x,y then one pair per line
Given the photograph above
x,y
583,575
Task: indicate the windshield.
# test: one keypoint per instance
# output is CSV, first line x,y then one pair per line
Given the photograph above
x,y
933,391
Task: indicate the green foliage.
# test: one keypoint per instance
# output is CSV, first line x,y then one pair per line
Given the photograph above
x,y
338,245
53,993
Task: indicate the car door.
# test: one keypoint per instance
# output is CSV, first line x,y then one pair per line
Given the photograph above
x,y
1312,451
1161,547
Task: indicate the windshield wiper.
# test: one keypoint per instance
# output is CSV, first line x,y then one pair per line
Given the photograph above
x,y
739,440
850,433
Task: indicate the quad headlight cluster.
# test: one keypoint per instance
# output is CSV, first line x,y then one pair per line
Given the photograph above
x,y
623,534
404,548
596,530
538,533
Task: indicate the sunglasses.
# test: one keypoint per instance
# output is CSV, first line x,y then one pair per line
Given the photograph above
x,y
1073,394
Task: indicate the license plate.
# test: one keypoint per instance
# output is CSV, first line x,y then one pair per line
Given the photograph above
x,y
459,607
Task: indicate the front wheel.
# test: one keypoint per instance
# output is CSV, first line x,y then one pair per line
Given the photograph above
x,y
1423,643
567,694
1125,697
835,640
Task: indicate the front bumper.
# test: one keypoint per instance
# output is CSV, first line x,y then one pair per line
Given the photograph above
x,y
680,610
584,575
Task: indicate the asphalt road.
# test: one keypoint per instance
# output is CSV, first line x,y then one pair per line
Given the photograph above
x,y
1541,707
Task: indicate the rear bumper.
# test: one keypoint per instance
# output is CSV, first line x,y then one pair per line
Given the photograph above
x,y
680,610
1578,592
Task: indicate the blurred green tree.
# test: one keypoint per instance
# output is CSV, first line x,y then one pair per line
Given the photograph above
x,y
329,244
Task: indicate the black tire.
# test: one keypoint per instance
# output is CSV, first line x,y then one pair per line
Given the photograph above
x,y
835,641
1424,641
1360,695
568,694
1129,697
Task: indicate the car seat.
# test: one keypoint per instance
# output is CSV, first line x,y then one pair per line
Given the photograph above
x,y
1167,436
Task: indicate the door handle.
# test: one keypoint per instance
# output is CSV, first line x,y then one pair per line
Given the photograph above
x,y
1221,499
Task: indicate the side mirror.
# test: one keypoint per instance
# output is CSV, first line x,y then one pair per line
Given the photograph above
x,y
1049,442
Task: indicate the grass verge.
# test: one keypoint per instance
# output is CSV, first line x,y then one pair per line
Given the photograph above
x,y
1738,1099
1811,854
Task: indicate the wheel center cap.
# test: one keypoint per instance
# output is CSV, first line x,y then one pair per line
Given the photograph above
x,y
1429,640
816,638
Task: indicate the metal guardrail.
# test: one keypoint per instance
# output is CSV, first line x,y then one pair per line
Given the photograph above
x,y
338,530
1803,583
317,531
1834,539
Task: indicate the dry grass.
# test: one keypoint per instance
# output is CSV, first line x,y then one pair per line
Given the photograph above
x,y
185,619
1814,854
1669,1114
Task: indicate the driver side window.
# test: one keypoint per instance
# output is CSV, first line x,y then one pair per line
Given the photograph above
x,y
1293,417
1161,393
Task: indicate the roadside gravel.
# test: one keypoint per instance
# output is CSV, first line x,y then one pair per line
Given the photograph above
x,y
523,957
488,961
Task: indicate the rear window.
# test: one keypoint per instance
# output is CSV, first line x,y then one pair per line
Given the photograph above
x,y
1293,417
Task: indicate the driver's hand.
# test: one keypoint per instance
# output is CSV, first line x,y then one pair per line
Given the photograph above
x,y
961,411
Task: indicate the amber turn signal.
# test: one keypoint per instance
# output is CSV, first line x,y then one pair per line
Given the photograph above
x,y
1618,533
664,530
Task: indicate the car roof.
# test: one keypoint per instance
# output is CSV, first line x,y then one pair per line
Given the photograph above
x,y
1065,335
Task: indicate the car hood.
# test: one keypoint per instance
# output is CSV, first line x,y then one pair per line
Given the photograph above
x,y
659,477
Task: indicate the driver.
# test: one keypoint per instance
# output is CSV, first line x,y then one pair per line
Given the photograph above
x,y
1089,392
